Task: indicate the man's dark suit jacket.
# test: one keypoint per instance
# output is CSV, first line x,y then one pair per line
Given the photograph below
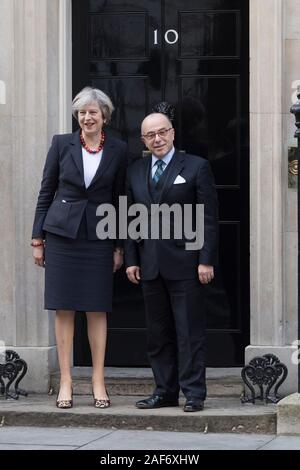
x,y
169,257
64,200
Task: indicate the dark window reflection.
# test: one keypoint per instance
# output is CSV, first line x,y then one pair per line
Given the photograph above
x,y
209,123
121,35
208,34
223,294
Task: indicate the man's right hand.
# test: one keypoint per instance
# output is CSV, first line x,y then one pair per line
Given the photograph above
x,y
133,274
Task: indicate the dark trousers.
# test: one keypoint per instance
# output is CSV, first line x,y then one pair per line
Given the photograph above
x,y
175,321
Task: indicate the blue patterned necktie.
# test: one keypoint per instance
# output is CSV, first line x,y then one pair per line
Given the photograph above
x,y
159,170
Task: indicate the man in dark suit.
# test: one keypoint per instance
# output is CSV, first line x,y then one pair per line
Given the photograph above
x,y
172,276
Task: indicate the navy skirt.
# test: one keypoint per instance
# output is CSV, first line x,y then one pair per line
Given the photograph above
x,y
78,274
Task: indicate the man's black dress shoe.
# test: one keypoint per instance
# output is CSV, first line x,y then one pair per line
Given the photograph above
x,y
193,404
156,401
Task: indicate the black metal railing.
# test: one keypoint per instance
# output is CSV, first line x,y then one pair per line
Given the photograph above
x,y
263,377
12,371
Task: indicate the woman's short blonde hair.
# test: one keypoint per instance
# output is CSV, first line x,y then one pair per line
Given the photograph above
x,y
86,96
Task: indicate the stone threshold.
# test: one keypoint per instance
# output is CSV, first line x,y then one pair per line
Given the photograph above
x,y
139,381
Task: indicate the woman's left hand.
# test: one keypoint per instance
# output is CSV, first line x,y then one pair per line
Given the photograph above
x,y
118,260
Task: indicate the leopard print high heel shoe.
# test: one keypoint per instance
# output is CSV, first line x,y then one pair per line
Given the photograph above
x,y
64,404
102,402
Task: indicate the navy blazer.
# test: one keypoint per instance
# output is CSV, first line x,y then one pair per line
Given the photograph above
x,y
63,198
169,257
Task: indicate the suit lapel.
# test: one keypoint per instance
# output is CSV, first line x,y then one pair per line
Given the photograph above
x,y
76,152
146,168
177,164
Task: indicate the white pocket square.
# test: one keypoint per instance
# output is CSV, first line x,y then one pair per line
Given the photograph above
x,y
179,180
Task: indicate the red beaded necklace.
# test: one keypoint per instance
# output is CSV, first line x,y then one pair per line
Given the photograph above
x,y
87,148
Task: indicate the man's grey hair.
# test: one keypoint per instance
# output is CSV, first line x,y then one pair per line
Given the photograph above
x,y
86,96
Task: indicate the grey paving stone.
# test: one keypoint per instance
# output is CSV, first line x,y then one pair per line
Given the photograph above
x,y
283,443
33,447
50,436
149,440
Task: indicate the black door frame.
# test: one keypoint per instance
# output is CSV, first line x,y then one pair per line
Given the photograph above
x,y
219,340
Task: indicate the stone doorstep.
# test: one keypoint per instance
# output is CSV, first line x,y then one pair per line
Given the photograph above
x,y
288,415
139,381
223,410
222,415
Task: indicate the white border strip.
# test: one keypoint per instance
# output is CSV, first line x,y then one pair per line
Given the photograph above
x,y
65,66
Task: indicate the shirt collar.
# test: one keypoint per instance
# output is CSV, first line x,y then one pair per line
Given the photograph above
x,y
166,159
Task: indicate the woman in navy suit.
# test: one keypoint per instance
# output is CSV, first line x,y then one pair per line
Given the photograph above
x,y
82,171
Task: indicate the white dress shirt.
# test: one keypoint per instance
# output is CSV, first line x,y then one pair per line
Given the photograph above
x,y
91,161
166,159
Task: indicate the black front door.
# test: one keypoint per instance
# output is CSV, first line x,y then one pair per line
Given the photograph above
x,y
193,54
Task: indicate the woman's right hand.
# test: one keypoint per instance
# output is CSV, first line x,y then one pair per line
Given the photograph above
x,y
38,253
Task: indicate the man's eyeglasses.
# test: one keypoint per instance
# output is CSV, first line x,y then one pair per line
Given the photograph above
x,y
161,133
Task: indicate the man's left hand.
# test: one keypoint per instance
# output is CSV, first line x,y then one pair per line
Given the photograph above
x,y
205,273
